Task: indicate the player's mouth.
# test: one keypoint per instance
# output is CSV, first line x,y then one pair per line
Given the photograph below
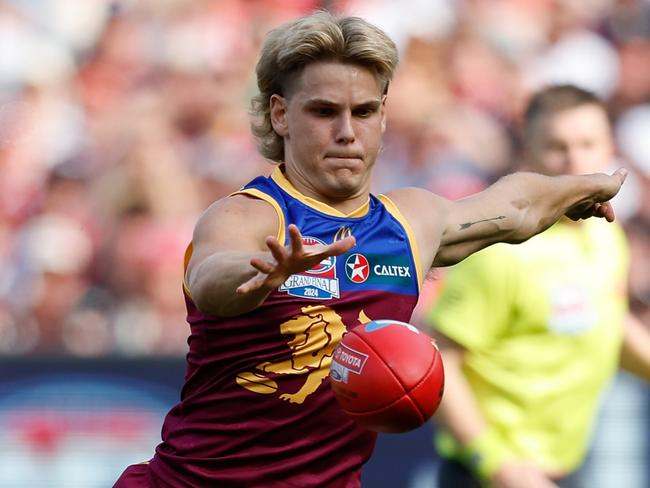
x,y
345,157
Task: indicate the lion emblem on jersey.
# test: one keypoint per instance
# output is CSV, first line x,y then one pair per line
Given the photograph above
x,y
312,336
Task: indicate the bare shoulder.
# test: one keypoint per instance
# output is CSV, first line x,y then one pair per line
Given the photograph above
x,y
412,198
421,208
238,222
426,213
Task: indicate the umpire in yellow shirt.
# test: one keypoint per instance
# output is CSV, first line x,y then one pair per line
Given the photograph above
x,y
531,334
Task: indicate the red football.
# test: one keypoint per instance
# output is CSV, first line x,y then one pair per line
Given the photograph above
x,y
388,376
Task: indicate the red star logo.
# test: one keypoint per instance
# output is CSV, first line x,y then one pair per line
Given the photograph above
x,y
357,268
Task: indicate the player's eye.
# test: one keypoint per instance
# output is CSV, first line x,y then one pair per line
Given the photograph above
x,y
323,111
364,112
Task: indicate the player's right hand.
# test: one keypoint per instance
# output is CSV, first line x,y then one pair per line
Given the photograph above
x,y
597,204
293,259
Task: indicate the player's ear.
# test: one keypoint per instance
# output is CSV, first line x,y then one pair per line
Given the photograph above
x,y
279,107
382,110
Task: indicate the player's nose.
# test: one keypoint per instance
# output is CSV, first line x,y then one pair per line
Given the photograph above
x,y
344,128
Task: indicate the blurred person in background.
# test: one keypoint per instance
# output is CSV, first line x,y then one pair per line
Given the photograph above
x,y
632,129
267,306
531,334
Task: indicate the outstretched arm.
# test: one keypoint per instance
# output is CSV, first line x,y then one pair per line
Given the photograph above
x,y
524,204
237,260
515,208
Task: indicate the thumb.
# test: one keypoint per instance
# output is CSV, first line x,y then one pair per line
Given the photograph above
x,y
621,174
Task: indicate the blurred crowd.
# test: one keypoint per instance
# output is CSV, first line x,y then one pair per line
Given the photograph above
x,y
120,121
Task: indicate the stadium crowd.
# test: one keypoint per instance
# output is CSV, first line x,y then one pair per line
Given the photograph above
x,y
121,120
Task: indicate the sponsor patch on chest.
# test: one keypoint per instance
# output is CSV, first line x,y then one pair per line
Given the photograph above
x,y
317,283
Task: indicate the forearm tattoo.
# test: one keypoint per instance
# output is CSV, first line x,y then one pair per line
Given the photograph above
x,y
467,225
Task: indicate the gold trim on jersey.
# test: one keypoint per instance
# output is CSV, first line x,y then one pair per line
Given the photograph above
x,y
395,212
186,261
285,184
254,192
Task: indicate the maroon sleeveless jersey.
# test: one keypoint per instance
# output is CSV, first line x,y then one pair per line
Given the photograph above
x,y
256,408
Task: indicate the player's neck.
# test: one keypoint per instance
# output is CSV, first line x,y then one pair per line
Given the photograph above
x,y
354,205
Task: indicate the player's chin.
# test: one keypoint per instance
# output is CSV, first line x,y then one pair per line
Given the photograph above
x,y
347,186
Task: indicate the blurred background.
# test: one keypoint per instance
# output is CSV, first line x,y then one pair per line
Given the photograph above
x,y
120,121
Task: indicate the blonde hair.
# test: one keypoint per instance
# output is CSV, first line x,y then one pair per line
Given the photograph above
x,y
318,37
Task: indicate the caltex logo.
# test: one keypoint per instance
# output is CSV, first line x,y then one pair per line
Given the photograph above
x,y
357,268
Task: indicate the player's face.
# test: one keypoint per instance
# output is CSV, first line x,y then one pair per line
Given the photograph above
x,y
332,124
573,141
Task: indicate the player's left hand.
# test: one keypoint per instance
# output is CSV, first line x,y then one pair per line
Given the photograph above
x,y
293,259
